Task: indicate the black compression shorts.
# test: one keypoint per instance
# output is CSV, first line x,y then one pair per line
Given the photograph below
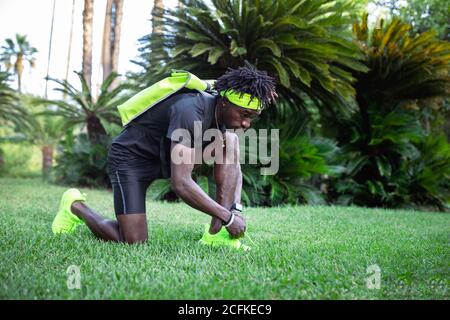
x,y
130,183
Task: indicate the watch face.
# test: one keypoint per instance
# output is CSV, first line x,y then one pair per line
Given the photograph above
x,y
238,206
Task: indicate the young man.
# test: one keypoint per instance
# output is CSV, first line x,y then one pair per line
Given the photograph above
x,y
142,153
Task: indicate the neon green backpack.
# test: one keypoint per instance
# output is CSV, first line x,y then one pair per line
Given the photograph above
x,y
147,98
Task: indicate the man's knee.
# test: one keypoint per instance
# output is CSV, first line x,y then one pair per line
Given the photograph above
x,y
135,238
133,228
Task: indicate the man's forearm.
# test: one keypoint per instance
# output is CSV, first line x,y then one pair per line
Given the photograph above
x,y
194,196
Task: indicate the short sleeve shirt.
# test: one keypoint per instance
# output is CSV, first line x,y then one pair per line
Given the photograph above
x,y
149,136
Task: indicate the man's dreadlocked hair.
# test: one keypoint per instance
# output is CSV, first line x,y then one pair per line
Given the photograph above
x,y
248,80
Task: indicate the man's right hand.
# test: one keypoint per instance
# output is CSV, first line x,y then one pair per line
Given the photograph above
x,y
238,226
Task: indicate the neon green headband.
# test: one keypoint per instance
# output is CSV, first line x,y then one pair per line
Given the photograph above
x,y
243,101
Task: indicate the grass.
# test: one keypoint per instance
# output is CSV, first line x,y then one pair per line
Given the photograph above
x,y
301,252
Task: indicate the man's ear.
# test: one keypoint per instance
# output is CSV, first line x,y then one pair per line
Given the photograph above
x,y
223,101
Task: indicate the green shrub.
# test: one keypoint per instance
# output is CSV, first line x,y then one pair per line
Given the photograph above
x,y
389,158
79,162
429,174
302,161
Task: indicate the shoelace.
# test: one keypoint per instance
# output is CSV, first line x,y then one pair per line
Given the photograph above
x,y
249,238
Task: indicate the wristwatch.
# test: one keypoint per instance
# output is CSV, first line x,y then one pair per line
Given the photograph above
x,y
235,207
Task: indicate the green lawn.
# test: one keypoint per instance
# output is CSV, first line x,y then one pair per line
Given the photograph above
x,y
301,252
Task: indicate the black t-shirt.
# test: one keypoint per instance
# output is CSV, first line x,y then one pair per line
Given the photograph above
x,y
148,137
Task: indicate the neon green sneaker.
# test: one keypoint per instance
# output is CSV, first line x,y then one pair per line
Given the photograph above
x,y
222,238
65,221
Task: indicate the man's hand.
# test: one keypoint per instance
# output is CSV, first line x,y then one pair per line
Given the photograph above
x,y
188,190
238,226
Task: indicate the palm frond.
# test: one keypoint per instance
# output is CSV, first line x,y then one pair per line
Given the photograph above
x,y
295,41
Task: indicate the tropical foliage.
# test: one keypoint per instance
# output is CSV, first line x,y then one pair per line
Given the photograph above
x,y
82,158
429,173
80,162
376,132
298,42
11,113
302,159
82,108
44,131
359,118
383,141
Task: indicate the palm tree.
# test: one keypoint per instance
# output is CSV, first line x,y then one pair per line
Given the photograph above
x,y
88,14
81,108
111,37
15,54
43,130
11,112
106,41
296,41
118,11
157,29
158,7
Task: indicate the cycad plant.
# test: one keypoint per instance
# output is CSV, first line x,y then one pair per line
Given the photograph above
x,y
383,137
402,68
298,42
82,108
429,175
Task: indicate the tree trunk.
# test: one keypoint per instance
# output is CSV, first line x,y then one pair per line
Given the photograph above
x,y
50,42
87,41
117,34
111,38
19,71
95,129
157,26
47,160
158,6
106,42
70,42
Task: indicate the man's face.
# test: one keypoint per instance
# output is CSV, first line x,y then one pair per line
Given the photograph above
x,y
236,117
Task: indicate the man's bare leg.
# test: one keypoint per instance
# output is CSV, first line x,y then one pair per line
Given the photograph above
x,y
131,228
228,177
